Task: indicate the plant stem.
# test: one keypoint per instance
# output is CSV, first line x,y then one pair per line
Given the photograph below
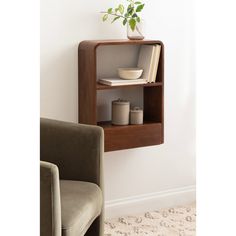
x,y
139,31
113,14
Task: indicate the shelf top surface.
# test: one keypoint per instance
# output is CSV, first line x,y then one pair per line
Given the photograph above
x,y
108,124
96,43
104,87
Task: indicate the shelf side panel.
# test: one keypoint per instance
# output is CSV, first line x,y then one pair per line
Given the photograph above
x,y
160,71
87,86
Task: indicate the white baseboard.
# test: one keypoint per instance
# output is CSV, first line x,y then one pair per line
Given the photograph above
x,y
149,202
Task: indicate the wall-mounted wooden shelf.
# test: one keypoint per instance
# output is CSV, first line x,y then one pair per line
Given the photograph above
x,y
121,137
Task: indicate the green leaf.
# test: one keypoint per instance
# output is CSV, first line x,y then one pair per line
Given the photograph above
x,y
116,18
134,15
125,21
138,19
105,17
139,8
121,9
109,10
132,24
137,3
130,10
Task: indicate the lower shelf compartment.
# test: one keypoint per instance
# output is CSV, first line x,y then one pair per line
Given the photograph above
x,y
131,136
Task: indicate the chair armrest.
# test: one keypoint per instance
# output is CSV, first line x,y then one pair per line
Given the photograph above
x,y
50,204
76,149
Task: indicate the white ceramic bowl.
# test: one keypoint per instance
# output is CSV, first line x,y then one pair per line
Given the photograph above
x,y
130,73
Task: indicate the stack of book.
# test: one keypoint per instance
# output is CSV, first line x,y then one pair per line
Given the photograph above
x,y
148,61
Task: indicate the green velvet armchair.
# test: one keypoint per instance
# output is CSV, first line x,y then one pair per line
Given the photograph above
x,y
71,179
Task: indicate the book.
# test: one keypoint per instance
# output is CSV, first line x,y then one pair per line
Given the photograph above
x,y
119,82
145,60
155,63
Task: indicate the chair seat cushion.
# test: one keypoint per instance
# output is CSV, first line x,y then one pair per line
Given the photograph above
x,y
81,203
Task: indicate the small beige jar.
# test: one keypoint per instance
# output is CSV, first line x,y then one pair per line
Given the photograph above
x,y
120,112
136,116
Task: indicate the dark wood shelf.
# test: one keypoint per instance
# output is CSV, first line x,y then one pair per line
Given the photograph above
x,y
109,125
104,87
93,44
129,136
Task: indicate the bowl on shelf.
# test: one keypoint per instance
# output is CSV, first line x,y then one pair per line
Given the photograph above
x,y
130,73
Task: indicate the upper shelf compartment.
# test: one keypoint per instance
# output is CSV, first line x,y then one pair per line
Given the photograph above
x,y
113,54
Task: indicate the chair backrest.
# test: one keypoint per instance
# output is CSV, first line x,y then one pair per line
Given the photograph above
x,y
76,149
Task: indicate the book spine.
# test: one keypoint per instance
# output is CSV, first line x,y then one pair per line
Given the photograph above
x,y
156,62
152,64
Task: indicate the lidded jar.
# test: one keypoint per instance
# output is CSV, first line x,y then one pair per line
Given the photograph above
x,y
136,116
120,112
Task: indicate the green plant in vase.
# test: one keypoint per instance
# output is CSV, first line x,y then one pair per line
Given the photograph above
x,y
129,16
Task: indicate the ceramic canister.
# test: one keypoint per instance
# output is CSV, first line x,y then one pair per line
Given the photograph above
x,y
120,112
136,116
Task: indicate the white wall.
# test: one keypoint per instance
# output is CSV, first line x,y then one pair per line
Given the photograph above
x,y
141,171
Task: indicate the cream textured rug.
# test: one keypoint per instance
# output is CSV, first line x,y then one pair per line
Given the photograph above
x,y
179,221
